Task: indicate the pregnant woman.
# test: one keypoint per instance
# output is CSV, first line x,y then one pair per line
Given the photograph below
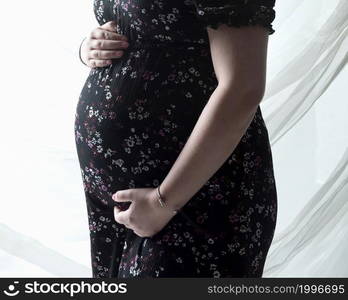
x,y
173,149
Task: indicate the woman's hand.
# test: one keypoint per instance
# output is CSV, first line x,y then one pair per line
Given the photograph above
x,y
145,216
102,45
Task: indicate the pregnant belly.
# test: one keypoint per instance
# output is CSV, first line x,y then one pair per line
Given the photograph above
x,y
134,117
142,81
146,88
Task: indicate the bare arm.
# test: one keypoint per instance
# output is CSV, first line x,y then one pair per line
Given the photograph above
x,y
239,58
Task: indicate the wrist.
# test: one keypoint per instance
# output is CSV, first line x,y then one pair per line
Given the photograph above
x,y
169,198
178,191
161,201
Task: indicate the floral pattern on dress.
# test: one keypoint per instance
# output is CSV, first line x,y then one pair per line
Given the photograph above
x,y
132,120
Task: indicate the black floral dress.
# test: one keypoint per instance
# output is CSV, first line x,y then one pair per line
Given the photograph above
x,y
132,120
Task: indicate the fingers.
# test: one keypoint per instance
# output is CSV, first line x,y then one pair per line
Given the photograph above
x,y
123,217
102,34
138,233
107,44
107,32
110,26
101,58
104,44
104,54
104,49
144,234
97,63
125,195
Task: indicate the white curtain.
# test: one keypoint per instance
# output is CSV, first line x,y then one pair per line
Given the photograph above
x,y
305,109
43,219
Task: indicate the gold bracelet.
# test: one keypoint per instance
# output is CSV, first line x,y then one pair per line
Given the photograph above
x,y
162,202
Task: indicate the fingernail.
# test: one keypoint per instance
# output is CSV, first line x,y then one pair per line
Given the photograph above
x,y
114,196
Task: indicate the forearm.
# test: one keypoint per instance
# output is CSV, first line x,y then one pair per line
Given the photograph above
x,y
222,123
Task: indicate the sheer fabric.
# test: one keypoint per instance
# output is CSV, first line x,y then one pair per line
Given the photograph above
x,y
293,90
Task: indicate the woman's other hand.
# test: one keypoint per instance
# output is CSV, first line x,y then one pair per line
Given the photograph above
x,y
102,45
144,216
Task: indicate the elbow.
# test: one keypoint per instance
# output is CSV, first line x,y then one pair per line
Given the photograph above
x,y
248,93
253,96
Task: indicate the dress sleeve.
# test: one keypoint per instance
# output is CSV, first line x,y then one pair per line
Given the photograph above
x,y
237,13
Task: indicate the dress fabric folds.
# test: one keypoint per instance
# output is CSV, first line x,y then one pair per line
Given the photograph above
x,y
132,120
